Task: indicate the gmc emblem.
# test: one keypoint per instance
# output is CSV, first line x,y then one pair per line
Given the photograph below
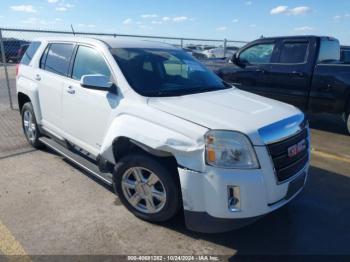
x,y
297,149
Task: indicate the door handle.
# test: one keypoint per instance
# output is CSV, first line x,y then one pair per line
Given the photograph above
x,y
37,77
296,73
325,88
259,70
71,90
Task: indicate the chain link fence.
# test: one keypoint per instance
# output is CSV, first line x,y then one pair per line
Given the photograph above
x,y
13,44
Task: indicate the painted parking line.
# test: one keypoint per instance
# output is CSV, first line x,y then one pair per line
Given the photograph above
x,y
330,156
9,246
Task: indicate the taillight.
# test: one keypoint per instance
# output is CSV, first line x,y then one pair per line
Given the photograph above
x,y
17,69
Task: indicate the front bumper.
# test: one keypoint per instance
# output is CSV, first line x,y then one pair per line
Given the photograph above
x,y
205,197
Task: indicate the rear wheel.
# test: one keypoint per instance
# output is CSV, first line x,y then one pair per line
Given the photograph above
x,y
147,188
30,126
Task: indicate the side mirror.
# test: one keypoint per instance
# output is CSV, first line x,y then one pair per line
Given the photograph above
x,y
97,82
235,60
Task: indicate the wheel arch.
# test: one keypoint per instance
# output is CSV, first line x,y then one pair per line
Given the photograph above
x,y
29,94
347,104
123,146
22,99
128,131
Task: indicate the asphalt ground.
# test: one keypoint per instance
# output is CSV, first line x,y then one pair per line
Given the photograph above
x,y
49,207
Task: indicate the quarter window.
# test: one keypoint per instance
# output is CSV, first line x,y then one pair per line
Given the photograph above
x,y
89,61
28,55
293,53
58,58
258,54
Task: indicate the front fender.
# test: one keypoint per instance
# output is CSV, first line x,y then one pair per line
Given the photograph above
x,y
187,147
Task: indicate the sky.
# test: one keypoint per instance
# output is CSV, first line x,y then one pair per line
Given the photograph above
x,y
232,19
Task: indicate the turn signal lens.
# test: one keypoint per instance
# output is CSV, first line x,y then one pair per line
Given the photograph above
x,y
211,155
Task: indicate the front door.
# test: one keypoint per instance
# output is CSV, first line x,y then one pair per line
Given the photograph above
x,y
288,77
86,112
255,64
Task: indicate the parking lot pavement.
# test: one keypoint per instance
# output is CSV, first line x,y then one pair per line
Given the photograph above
x,y
50,207
12,140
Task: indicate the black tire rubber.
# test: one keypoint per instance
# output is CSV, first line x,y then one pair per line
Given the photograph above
x,y
168,177
36,143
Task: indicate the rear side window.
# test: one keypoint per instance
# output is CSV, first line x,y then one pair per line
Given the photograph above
x,y
329,50
28,55
345,56
258,54
294,53
56,58
89,61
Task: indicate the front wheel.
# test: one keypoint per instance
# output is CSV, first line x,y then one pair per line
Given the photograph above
x,y
147,188
30,126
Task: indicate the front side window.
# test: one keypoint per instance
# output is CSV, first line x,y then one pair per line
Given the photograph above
x,y
57,58
258,54
293,53
165,72
89,61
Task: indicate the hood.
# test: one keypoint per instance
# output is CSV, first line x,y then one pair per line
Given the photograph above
x,y
230,109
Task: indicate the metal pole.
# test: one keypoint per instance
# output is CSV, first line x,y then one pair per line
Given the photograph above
x,y
182,43
5,67
225,47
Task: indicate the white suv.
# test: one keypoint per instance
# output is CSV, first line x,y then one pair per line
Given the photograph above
x,y
163,129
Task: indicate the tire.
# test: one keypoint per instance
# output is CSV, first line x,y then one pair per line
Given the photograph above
x,y
141,179
348,123
30,126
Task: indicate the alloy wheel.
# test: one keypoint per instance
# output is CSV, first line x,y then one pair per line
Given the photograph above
x,y
29,125
144,190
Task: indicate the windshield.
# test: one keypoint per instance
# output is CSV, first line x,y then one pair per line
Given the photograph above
x,y
165,72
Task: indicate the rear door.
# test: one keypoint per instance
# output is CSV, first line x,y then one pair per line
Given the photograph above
x,y
256,61
288,77
53,71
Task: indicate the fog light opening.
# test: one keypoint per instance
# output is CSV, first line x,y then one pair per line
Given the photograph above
x,y
234,198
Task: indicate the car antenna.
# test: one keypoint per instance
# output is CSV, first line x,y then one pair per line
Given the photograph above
x,y
71,26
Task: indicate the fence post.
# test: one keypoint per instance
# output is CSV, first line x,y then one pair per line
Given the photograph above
x,y
225,47
182,43
3,55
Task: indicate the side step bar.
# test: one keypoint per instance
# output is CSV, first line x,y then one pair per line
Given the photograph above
x,y
78,160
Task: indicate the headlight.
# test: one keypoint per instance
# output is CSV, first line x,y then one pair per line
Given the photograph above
x,y
229,149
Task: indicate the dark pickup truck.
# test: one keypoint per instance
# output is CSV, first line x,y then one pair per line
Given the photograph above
x,y
304,71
